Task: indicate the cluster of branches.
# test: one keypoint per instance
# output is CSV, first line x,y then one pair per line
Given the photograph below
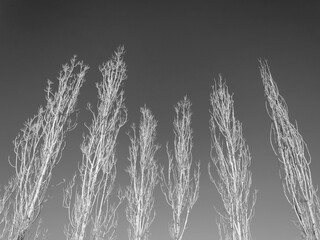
x,y
37,150
143,177
231,163
91,209
5,204
91,203
293,154
180,189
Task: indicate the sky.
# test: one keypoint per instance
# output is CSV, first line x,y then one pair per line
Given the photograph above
x,y
172,50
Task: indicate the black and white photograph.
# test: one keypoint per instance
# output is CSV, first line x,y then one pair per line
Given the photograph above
x,y
153,120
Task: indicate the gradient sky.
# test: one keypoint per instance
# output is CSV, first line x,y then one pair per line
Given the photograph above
x,y
171,50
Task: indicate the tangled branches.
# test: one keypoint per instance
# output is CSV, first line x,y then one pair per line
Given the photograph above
x,y
293,154
232,162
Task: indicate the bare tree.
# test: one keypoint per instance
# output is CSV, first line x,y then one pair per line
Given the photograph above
x,y
5,205
231,163
180,190
38,149
5,220
295,159
98,167
143,177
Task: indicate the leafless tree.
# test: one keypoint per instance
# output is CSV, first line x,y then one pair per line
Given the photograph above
x,y
180,189
5,222
38,149
295,159
231,163
5,205
143,177
98,167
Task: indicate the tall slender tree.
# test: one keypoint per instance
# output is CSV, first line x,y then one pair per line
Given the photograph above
x,y
231,163
38,149
91,204
180,189
295,159
143,177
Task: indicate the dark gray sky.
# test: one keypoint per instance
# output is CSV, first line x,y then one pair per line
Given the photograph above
x,y
171,50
